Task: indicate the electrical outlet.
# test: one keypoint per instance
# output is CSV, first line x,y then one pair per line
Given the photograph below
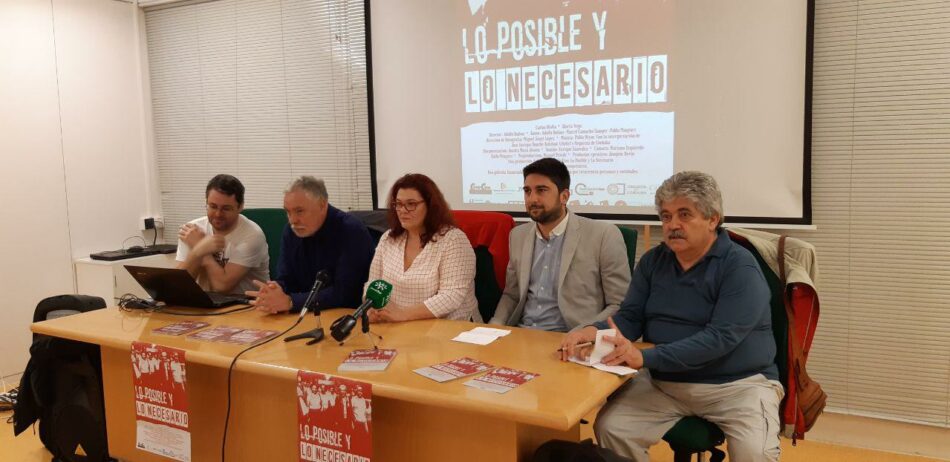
x,y
149,223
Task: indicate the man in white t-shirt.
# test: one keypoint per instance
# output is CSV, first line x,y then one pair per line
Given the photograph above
x,y
224,251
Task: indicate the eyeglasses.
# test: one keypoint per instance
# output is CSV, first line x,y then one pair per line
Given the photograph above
x,y
409,206
222,209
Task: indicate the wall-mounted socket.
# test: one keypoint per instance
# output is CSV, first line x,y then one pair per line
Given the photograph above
x,y
152,223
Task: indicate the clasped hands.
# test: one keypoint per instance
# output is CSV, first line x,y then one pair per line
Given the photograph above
x,y
270,298
624,352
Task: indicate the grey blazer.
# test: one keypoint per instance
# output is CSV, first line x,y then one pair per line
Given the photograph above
x,y
593,279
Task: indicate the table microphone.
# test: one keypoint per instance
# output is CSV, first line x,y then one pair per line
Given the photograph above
x,y
377,296
314,334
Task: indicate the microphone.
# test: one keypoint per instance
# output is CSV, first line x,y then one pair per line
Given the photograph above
x,y
321,279
377,296
315,335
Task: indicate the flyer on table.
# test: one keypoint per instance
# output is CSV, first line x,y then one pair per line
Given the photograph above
x,y
368,360
161,401
180,328
501,380
334,417
451,370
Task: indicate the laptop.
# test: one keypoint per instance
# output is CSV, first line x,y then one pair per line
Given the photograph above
x,y
176,287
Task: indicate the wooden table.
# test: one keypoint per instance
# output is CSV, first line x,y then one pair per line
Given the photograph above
x,y
414,418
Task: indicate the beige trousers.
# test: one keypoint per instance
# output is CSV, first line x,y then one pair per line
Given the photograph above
x,y
643,410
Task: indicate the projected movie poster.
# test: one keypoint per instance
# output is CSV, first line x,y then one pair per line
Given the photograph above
x,y
589,83
334,418
161,401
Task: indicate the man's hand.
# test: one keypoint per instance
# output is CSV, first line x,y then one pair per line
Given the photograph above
x,y
270,298
190,234
208,245
624,352
570,341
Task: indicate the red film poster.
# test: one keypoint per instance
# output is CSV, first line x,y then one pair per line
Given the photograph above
x,y
334,418
161,401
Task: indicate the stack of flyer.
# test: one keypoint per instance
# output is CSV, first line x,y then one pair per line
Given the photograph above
x,y
367,360
180,328
501,380
451,370
228,334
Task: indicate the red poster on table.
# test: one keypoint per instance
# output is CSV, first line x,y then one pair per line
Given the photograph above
x,y
161,401
334,418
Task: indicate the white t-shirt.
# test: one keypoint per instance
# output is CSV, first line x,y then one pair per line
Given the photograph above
x,y
245,246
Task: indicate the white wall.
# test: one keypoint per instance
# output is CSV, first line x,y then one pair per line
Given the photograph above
x,y
76,167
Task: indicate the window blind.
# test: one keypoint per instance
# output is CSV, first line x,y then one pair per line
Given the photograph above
x,y
265,90
881,184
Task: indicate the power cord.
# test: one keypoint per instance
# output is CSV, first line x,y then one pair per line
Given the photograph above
x,y
227,414
144,243
132,302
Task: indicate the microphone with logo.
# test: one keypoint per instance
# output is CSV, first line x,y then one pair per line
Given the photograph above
x,y
377,296
315,335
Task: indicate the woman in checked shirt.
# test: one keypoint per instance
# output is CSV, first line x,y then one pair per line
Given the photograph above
x,y
426,258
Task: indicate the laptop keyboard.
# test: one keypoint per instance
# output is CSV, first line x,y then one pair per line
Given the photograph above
x,y
225,298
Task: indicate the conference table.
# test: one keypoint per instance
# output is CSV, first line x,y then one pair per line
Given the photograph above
x,y
413,418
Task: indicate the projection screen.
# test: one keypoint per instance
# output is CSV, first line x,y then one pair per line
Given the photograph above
x,y
625,93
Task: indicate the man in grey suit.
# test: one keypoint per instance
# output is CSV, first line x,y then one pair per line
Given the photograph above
x,y
564,271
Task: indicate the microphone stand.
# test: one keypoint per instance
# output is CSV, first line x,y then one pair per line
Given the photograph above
x,y
364,326
314,335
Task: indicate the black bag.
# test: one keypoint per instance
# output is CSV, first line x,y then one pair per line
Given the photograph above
x,y
62,388
571,451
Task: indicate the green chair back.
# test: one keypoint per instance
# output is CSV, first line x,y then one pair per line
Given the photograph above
x,y
630,240
272,222
487,291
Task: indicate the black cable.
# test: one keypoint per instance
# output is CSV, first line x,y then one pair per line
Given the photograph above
x,y
132,302
227,414
155,236
144,242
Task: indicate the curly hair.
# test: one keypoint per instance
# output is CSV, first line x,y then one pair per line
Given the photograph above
x,y
439,219
701,188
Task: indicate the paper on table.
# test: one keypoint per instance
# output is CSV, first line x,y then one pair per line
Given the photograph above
x,y
471,337
619,370
490,331
481,335
601,349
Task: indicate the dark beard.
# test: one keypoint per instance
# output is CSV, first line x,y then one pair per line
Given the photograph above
x,y
548,216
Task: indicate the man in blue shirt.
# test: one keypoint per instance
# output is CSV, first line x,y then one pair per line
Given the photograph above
x,y
702,300
317,237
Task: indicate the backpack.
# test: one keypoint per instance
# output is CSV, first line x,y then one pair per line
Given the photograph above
x,y
62,388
